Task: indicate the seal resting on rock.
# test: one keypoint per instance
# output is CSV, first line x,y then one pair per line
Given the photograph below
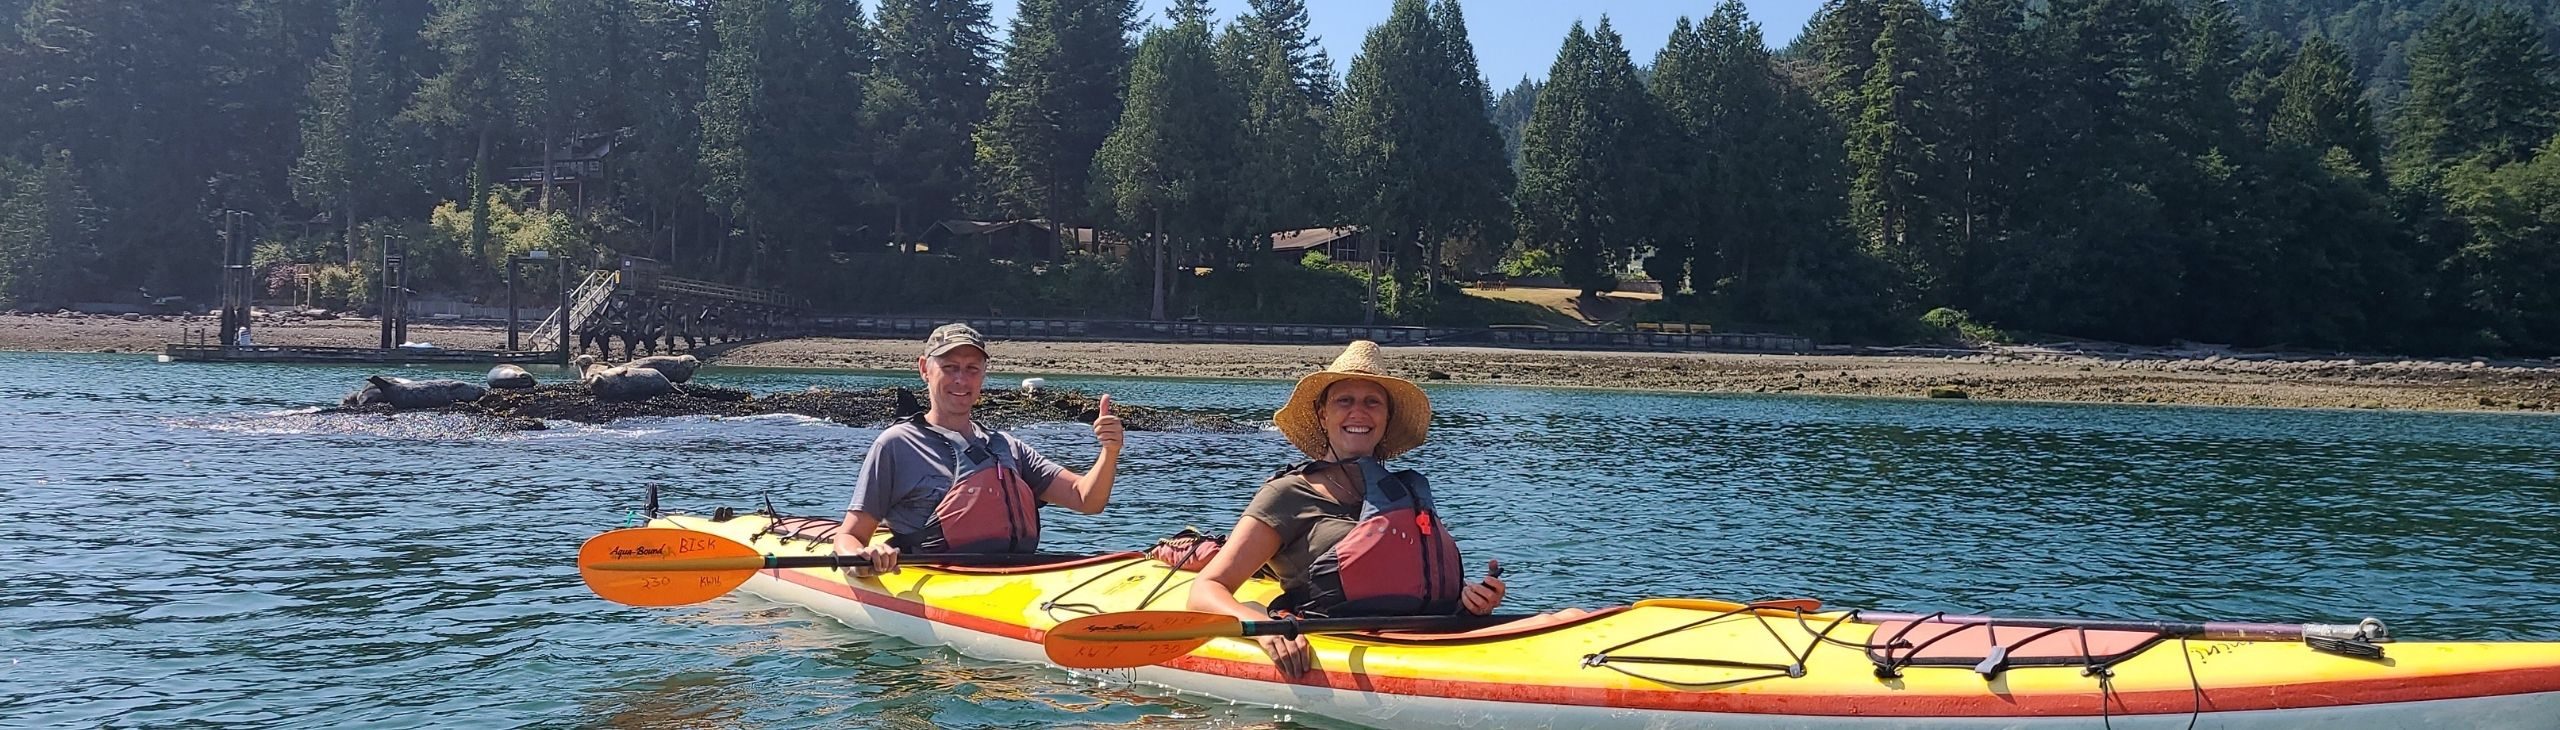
x,y
677,368
622,383
510,377
414,393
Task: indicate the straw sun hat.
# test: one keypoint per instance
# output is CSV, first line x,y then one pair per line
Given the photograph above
x,y
1409,410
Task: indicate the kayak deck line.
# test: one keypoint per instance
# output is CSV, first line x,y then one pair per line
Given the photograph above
x,y
1541,672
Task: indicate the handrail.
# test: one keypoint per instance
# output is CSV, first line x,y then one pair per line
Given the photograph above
x,y
590,296
716,290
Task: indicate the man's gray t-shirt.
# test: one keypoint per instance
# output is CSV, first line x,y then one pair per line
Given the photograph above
x,y
908,470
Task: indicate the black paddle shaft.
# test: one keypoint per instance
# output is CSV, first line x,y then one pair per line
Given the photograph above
x,y
1288,627
963,559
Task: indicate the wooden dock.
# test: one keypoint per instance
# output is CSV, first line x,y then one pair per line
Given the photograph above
x,y
356,355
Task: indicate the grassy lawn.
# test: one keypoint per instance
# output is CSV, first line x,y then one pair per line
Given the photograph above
x,y
1561,308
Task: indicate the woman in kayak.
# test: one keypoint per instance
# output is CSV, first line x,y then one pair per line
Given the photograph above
x,y
1345,536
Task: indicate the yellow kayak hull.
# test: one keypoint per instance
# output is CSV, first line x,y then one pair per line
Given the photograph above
x,y
1808,670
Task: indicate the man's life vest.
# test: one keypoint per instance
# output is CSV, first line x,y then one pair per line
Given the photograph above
x,y
1398,560
990,508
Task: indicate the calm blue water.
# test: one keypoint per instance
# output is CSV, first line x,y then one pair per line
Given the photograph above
x,y
181,547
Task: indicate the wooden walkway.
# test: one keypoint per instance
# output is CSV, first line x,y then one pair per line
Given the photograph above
x,y
356,355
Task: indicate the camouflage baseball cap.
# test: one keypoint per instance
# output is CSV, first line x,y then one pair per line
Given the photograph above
x,y
951,337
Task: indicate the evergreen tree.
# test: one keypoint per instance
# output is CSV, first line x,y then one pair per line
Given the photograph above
x,y
2376,34
348,134
562,77
1683,88
473,92
2480,84
779,127
1998,86
2211,63
135,96
1841,37
1472,206
2503,273
1269,57
1290,182
2322,108
48,240
1167,167
1577,194
1055,100
2216,205
825,132
2132,169
278,43
1747,191
1284,25
737,110
2101,255
662,178
931,89
1895,136
1511,115
1382,128
1558,173
1809,273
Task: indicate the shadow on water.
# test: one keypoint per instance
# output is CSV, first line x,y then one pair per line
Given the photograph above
x,y
197,549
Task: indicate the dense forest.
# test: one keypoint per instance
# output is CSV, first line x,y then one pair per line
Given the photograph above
x,y
2371,174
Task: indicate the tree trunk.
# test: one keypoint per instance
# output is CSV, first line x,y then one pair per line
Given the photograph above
x,y
480,201
351,226
546,168
1431,266
1156,312
1371,247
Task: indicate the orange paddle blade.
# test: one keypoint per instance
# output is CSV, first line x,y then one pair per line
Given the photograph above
x,y
1134,638
659,566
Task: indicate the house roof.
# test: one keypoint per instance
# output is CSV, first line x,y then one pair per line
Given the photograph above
x,y
1307,238
972,228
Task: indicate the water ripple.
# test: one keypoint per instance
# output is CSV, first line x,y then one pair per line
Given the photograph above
x,y
197,548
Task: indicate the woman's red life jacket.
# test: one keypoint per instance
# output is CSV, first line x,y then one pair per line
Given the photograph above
x,y
990,508
1399,560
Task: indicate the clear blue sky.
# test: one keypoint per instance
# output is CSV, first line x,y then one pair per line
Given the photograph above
x,y
1514,38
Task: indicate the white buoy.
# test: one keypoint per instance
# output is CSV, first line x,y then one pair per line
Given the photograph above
x,y
1032,384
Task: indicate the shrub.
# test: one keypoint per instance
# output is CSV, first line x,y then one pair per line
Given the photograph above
x,y
342,286
1526,263
1957,325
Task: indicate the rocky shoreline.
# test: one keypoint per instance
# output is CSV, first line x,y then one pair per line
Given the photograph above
x,y
520,410
2082,372
2103,374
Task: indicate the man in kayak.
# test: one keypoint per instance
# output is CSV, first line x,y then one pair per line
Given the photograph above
x,y
944,485
1345,536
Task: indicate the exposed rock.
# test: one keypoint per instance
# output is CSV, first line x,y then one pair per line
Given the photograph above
x,y
873,408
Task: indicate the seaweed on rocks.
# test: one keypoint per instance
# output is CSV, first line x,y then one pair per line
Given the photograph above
x,y
870,408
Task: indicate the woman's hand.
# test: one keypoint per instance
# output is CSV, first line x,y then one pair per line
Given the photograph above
x,y
1289,653
1248,548
1481,598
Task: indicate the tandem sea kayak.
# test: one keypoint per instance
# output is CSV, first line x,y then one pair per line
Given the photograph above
x,y
1699,663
